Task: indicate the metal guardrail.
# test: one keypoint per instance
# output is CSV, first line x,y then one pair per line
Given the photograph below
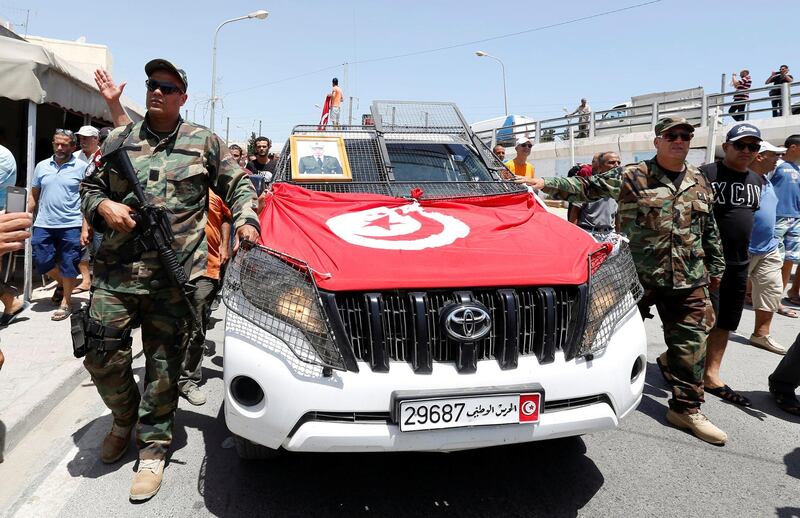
x,y
763,102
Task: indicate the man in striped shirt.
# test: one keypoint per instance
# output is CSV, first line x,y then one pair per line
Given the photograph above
x,y
742,95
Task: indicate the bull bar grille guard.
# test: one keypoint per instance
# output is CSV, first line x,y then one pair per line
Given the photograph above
x,y
614,288
278,294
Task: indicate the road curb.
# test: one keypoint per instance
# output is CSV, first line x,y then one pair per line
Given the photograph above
x,y
30,410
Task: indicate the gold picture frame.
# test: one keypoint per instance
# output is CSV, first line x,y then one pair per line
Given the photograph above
x,y
319,159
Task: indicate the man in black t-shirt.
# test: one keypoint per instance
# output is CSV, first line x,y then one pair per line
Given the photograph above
x,y
262,164
737,192
777,79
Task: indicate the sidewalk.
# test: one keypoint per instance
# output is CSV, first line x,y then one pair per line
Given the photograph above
x,y
39,369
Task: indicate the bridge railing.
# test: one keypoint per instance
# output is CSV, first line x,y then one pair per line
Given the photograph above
x,y
763,102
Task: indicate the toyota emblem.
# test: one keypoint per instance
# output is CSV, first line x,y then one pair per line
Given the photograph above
x,y
466,322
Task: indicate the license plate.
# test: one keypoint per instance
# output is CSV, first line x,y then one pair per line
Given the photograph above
x,y
480,410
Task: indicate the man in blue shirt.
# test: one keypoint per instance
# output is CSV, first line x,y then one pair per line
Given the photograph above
x,y
8,173
12,306
766,254
786,181
57,228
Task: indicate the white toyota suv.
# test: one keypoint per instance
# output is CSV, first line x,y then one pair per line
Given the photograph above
x,y
405,296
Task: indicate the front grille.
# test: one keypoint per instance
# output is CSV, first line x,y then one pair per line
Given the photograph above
x,y
404,326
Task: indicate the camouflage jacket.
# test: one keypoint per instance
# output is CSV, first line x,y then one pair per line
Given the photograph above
x,y
674,239
176,173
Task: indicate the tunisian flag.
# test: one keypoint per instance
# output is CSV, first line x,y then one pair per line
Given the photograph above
x,y
376,242
326,107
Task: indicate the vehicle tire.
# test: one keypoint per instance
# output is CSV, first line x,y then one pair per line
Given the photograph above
x,y
248,450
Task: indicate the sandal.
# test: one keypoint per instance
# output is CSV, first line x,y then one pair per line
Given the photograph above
x,y
787,312
7,318
665,372
793,299
788,402
61,313
728,394
57,295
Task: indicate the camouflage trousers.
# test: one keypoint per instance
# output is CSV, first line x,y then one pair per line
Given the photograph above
x,y
687,317
164,317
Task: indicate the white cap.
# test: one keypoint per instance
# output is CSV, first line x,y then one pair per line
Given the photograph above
x,y
766,146
522,140
88,131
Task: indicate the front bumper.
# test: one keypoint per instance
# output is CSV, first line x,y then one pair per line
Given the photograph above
x,y
302,410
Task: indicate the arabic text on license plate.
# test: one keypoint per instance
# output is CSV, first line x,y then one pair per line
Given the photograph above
x,y
434,414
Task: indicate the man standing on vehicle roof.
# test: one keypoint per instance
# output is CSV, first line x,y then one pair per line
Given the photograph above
x,y
176,162
665,210
336,96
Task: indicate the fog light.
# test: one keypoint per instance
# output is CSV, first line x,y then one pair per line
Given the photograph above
x,y
246,391
638,365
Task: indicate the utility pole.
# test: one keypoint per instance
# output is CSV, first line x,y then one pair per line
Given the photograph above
x,y
186,114
259,127
350,104
723,84
227,129
350,112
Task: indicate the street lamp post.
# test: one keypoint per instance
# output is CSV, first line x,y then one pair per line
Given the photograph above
x,y
482,54
260,15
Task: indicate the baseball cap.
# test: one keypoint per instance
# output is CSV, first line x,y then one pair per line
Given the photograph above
x,y
672,122
766,146
742,131
88,131
163,64
522,140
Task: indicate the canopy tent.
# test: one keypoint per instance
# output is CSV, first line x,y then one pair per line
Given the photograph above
x,y
34,73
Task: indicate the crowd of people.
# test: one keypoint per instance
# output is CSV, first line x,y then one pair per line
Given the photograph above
x,y
705,241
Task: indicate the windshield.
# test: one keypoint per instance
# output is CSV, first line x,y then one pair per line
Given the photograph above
x,y
425,162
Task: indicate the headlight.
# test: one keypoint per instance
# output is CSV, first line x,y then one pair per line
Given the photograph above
x,y
278,294
614,289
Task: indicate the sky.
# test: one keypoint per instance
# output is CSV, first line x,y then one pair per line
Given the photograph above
x,y
277,71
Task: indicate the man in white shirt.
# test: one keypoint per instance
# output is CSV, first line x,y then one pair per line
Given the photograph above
x,y
89,152
89,140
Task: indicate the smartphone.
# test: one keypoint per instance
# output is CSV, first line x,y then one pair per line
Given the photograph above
x,y
16,199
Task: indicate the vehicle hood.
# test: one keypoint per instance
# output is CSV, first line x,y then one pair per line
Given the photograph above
x,y
376,242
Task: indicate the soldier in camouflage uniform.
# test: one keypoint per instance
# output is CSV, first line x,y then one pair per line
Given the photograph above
x,y
176,162
665,210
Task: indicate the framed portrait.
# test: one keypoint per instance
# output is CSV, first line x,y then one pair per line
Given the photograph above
x,y
319,159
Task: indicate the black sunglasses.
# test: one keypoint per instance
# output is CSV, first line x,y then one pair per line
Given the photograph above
x,y
741,146
526,145
672,136
166,88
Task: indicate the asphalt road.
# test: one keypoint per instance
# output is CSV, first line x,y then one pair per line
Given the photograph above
x,y
645,468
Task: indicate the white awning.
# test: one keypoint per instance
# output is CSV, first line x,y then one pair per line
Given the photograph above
x,y
32,72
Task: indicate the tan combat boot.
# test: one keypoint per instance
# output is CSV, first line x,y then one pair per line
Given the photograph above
x,y
115,444
148,478
699,425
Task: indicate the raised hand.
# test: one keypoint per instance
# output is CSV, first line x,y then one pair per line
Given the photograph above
x,y
108,89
